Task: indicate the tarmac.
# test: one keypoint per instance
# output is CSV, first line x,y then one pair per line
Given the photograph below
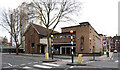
x,y
67,59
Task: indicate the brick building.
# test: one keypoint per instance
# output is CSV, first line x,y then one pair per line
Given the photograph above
x,y
35,39
85,38
115,43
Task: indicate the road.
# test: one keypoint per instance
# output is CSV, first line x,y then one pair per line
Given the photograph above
x,y
20,62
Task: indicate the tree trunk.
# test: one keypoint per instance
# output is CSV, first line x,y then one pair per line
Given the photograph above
x,y
16,50
48,42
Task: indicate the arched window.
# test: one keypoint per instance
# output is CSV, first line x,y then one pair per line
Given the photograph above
x,y
82,43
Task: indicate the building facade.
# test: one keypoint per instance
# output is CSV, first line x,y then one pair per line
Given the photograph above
x,y
25,12
35,39
85,40
115,43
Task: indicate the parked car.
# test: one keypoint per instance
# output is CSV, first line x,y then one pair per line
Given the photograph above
x,y
115,51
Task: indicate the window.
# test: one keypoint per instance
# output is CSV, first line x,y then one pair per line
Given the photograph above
x,y
69,36
53,37
61,36
82,43
65,36
32,45
56,36
73,36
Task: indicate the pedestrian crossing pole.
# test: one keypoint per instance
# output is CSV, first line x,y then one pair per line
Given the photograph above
x,y
71,31
52,45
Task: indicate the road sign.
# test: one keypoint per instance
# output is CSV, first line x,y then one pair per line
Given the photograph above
x,y
104,43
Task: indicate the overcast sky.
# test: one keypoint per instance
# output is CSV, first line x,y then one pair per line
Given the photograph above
x,y
102,15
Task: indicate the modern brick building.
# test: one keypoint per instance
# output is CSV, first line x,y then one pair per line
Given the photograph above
x,y
85,38
115,43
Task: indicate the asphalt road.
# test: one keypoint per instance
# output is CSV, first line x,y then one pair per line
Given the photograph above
x,y
18,62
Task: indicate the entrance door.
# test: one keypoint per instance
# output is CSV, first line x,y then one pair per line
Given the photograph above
x,y
63,50
42,49
67,50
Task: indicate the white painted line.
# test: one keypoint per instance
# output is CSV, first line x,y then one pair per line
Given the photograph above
x,y
50,64
71,66
23,64
26,67
30,63
67,60
41,66
7,67
14,65
89,61
35,62
9,64
116,61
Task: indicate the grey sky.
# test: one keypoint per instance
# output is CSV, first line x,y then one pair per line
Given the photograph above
x,y
102,15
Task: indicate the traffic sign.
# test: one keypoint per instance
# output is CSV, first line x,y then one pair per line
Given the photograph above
x,y
104,43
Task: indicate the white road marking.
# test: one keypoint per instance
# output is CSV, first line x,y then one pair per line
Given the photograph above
x,y
89,61
9,64
15,65
26,67
71,66
41,66
50,64
7,67
116,61
35,62
30,63
67,60
23,64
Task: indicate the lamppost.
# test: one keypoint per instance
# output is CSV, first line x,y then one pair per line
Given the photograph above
x,y
52,45
71,31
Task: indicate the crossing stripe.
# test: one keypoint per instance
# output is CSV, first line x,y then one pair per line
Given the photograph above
x,y
50,64
41,66
116,61
26,67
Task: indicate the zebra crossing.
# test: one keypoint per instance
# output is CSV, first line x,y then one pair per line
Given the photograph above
x,y
41,66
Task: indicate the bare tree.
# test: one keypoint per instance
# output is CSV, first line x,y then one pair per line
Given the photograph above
x,y
52,12
12,22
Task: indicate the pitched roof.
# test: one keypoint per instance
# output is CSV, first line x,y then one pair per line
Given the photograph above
x,y
40,29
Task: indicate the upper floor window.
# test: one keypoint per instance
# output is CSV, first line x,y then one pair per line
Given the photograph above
x,y
56,36
69,36
73,36
61,36
65,36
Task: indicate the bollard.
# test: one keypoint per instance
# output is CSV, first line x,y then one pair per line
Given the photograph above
x,y
80,59
46,56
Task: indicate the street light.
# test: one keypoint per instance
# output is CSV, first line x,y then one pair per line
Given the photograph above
x,y
71,31
52,45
